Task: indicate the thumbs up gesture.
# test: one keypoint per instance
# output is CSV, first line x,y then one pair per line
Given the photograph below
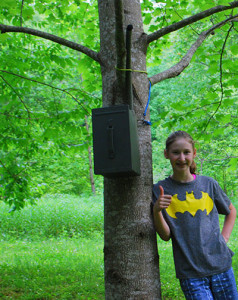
x,y
163,201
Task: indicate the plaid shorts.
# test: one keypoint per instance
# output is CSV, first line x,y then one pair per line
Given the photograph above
x,y
219,287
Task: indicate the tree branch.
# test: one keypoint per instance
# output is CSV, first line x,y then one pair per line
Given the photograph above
x,y
48,85
75,46
4,167
174,27
19,97
184,62
221,78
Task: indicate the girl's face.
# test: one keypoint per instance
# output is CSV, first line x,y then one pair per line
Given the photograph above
x,y
181,155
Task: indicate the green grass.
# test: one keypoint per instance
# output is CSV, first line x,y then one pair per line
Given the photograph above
x,y
52,269
55,251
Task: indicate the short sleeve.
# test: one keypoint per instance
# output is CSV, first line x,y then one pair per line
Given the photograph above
x,y
222,201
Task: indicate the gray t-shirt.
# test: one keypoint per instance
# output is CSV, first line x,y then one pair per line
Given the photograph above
x,y
199,248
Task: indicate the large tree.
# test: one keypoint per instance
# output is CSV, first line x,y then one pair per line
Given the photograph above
x,y
131,257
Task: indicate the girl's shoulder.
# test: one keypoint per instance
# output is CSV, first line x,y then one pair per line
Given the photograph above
x,y
206,179
162,182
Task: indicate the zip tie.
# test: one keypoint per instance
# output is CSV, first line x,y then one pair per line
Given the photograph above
x,y
139,71
147,105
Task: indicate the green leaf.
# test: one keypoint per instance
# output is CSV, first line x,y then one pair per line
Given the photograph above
x,y
7,3
147,19
234,49
233,164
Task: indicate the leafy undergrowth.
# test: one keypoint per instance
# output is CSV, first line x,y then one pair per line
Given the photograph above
x,y
53,216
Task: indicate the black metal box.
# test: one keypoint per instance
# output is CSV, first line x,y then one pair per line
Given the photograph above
x,y
115,141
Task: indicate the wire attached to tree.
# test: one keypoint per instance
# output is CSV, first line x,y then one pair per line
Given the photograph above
x,y
147,105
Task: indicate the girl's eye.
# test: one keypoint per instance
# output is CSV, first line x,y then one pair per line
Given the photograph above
x,y
187,152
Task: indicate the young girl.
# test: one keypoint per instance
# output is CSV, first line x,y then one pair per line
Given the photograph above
x,y
186,208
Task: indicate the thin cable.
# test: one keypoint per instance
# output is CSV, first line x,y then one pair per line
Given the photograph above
x,y
147,105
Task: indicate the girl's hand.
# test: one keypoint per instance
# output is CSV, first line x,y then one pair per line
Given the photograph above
x,y
163,201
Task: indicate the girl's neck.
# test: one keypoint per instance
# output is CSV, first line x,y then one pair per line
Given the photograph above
x,y
184,177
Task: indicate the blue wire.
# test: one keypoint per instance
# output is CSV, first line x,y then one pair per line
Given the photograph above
x,y
147,105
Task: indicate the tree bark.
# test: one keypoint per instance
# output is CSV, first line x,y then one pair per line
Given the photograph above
x,y
90,160
130,252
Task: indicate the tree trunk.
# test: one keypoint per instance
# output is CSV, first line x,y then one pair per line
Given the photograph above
x,y
90,160
130,251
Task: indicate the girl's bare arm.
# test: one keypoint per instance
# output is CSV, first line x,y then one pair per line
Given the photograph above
x,y
229,223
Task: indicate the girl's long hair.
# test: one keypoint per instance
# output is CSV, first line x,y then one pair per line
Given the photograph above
x,y
182,134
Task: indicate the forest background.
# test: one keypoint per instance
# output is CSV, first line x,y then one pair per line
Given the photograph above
x,y
47,96
45,117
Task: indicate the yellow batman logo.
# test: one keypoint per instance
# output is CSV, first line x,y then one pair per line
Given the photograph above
x,y
191,204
